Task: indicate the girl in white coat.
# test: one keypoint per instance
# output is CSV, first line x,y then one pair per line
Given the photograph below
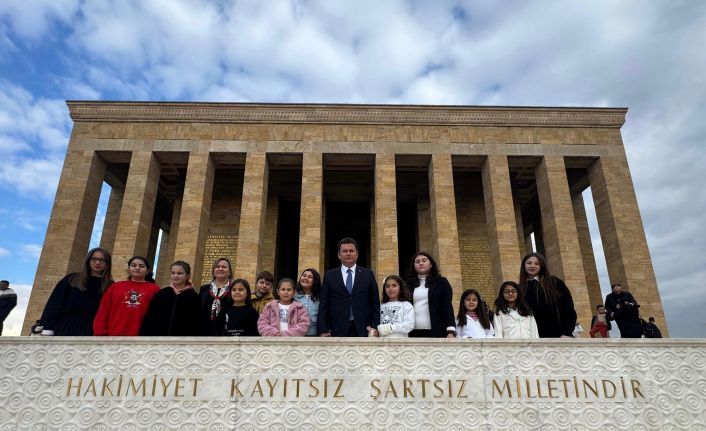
x,y
513,317
396,311
473,317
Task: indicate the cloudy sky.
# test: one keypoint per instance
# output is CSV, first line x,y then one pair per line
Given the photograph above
x,y
645,55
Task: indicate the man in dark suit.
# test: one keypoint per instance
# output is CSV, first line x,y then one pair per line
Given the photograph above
x,y
349,301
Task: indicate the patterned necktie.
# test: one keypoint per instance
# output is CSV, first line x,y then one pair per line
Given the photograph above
x,y
349,281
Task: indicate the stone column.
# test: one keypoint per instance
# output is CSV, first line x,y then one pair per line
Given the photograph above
x,y
443,221
169,246
623,236
136,214
560,236
589,260
252,215
70,227
520,227
268,244
310,219
386,216
112,215
195,212
501,218
423,223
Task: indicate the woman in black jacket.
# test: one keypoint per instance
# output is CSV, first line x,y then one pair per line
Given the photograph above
x,y
548,297
432,297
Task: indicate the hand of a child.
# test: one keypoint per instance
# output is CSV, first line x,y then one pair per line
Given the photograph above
x,y
385,329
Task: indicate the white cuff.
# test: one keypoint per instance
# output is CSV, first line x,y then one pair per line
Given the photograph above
x,y
47,332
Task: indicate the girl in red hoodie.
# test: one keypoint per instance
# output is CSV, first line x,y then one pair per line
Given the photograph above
x,y
125,303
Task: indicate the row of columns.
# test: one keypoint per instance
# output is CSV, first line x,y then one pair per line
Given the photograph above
x,y
566,242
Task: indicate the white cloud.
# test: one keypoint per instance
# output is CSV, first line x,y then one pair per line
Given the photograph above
x,y
32,18
4,252
31,250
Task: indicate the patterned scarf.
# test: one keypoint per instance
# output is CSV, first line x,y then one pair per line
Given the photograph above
x,y
217,294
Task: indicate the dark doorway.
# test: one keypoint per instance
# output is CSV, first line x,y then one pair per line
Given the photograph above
x,y
347,219
287,254
406,234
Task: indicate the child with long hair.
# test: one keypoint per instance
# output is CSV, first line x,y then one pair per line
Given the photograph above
x,y
238,318
396,311
513,317
125,303
284,316
548,297
308,292
473,317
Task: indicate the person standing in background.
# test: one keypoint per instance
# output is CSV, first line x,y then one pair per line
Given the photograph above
x,y
8,300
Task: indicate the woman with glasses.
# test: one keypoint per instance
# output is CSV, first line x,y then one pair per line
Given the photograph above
x,y
73,303
513,317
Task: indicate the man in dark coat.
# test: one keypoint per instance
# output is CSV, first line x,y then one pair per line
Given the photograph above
x,y
349,302
8,300
622,307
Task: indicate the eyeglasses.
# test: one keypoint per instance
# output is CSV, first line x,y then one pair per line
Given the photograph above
x,y
98,259
509,291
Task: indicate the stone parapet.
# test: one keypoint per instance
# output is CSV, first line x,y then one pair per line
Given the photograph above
x,y
344,383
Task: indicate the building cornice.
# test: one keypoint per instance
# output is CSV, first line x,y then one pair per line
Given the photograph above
x,y
342,114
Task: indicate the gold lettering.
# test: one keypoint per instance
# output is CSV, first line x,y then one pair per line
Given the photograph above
x,y
106,387
500,391
566,387
449,386
622,383
284,392
120,384
636,388
391,388
164,387
374,387
338,388
154,385
325,388
314,387
91,387
233,388
407,387
195,382
460,390
258,388
519,388
539,390
272,386
439,389
297,381
605,389
529,391
178,385
550,388
593,388
135,390
576,387
69,386
424,386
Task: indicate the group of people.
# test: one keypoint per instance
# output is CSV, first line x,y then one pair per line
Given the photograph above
x,y
345,302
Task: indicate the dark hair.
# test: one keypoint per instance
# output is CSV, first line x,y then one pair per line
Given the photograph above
x,y
612,286
80,279
280,283
148,277
265,275
600,306
184,265
245,284
651,319
7,282
230,268
546,280
347,240
520,304
315,287
432,277
405,294
481,311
